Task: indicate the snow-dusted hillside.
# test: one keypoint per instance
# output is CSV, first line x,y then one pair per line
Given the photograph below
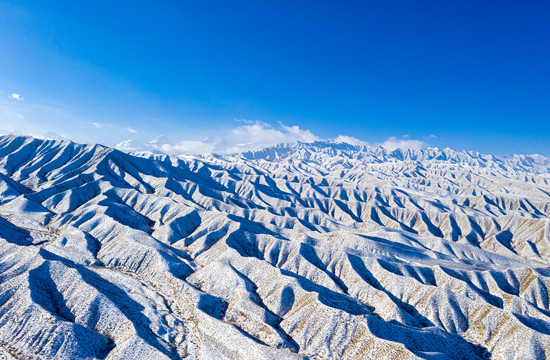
x,y
321,251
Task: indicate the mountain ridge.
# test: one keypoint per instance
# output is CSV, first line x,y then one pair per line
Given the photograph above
x,y
430,153
312,255
379,153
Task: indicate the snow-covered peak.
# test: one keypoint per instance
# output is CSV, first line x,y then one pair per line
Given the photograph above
x,y
328,150
319,250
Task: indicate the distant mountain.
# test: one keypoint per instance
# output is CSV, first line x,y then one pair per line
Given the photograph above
x,y
523,163
322,250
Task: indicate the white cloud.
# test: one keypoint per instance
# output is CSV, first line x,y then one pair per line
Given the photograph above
x,y
99,125
259,135
246,121
393,143
50,135
16,96
164,145
251,136
256,136
350,140
298,134
10,132
190,147
245,135
128,145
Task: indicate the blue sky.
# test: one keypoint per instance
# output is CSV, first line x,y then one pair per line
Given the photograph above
x,y
464,74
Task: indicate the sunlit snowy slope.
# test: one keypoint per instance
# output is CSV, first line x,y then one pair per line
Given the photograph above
x,y
321,251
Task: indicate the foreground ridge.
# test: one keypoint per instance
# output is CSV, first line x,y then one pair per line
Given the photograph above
x,y
322,251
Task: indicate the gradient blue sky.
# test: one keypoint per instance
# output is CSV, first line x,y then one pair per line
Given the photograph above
x,y
464,74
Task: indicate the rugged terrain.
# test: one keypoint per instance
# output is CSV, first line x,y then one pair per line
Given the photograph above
x,y
322,251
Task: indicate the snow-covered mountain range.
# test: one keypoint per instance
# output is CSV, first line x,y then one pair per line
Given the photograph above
x,y
323,251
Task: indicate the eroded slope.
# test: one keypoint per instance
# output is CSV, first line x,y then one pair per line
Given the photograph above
x,y
319,250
